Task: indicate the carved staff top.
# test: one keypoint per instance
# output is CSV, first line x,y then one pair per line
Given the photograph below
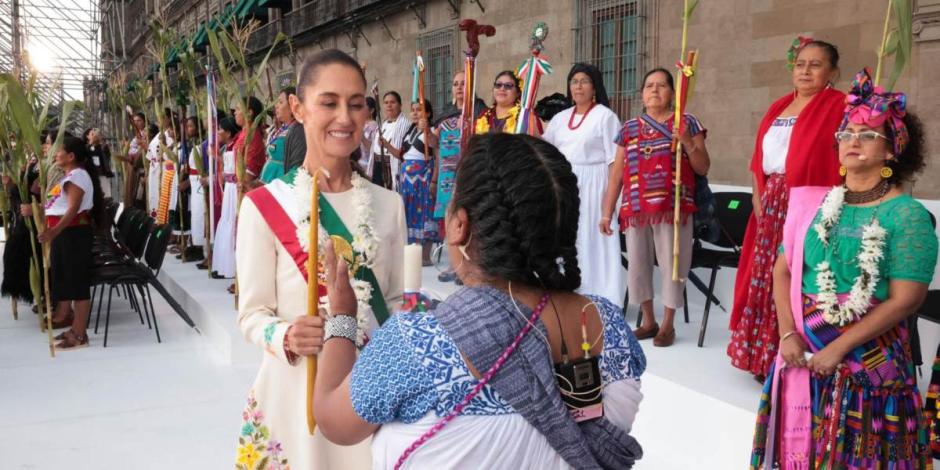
x,y
474,31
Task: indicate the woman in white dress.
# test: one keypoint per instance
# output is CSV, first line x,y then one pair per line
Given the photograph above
x,y
441,389
223,246
273,226
585,134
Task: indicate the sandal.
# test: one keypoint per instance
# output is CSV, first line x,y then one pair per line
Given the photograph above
x,y
646,332
231,289
72,341
57,325
665,338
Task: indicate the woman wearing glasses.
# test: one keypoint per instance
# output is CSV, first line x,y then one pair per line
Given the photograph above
x,y
794,148
502,116
642,177
858,259
585,135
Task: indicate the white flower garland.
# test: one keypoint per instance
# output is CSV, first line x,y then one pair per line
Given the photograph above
x,y
365,243
872,252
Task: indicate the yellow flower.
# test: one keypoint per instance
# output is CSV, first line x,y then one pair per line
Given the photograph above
x,y
248,455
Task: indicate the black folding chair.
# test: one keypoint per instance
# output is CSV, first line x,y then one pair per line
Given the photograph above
x,y
732,209
137,276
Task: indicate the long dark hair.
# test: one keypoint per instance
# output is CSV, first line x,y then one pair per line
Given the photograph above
x,y
521,197
597,80
77,147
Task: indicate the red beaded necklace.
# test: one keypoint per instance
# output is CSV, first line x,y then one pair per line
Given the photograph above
x,y
573,112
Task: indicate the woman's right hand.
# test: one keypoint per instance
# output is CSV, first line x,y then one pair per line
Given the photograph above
x,y
305,336
26,210
604,226
793,351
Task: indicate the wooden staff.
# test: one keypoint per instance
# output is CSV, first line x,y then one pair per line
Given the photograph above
x,y
313,289
39,220
677,126
467,116
424,111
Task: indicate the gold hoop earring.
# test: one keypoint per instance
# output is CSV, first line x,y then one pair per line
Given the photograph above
x,y
843,171
886,172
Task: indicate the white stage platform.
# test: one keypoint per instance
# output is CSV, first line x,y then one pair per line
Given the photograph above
x,y
139,404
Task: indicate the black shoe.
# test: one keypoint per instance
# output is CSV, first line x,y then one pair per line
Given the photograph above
x,y
216,275
194,253
448,276
203,265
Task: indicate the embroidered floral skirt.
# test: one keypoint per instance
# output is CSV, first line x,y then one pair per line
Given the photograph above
x,y
415,188
932,407
867,415
753,345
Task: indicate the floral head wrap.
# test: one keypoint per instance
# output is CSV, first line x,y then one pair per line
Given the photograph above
x,y
871,105
795,47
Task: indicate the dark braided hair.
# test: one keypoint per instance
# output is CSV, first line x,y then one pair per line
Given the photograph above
x,y
521,198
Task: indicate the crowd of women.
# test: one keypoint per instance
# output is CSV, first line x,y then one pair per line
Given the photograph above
x,y
837,258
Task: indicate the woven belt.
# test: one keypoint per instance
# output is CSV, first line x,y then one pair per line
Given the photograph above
x,y
82,218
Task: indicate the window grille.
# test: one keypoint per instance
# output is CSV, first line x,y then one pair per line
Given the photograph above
x,y
612,35
437,48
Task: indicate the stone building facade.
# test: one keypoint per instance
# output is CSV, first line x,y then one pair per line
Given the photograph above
x,y
742,45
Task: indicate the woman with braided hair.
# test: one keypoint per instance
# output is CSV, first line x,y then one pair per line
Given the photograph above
x,y
426,387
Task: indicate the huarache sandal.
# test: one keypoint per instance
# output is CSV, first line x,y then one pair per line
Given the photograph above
x,y
72,341
57,324
646,332
665,338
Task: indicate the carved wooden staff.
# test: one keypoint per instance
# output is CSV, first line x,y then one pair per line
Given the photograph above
x,y
467,114
678,123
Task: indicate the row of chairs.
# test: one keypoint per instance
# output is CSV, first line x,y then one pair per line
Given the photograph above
x,y
127,260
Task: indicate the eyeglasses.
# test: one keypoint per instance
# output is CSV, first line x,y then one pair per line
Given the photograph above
x,y
583,82
844,137
504,86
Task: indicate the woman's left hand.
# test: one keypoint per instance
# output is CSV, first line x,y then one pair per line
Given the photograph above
x,y
686,140
339,289
48,235
826,361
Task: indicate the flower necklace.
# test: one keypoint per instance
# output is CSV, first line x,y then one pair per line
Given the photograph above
x,y
489,117
571,124
871,253
365,243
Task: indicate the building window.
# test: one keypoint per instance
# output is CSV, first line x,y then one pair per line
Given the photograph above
x,y
437,47
611,34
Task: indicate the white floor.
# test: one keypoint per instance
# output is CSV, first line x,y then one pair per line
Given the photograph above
x,y
143,405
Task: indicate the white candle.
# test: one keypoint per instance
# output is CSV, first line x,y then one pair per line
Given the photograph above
x,y
412,268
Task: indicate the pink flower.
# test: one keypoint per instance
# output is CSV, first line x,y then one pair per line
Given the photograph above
x,y
258,415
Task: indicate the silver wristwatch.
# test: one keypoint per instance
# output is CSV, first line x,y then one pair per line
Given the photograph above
x,y
343,326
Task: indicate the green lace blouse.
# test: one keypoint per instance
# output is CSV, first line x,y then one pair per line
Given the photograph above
x,y
910,251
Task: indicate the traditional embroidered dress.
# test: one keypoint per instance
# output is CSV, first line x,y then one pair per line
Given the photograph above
x,y
646,211
197,199
415,187
223,247
274,167
590,148
412,374
932,407
272,294
868,413
449,157
788,153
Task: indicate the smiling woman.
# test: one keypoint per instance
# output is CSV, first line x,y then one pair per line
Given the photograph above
x,y
41,57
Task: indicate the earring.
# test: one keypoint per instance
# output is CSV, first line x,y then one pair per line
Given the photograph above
x,y
843,171
463,248
886,172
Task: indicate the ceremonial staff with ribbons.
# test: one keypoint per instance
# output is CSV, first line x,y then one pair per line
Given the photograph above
x,y
419,72
683,93
530,72
467,116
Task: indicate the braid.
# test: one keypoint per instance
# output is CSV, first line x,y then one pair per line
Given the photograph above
x,y
522,201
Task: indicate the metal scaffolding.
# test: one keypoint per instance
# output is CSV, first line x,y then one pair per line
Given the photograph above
x,y
57,38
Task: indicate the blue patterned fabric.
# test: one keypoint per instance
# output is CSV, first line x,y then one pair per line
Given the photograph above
x,y
412,366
